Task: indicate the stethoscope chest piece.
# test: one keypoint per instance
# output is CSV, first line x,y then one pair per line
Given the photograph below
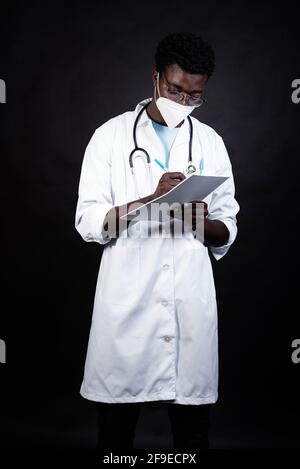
x,y
191,169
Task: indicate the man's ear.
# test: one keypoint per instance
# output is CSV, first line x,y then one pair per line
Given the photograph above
x,y
154,77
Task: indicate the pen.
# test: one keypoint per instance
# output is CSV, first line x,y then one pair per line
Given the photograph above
x,y
201,166
161,164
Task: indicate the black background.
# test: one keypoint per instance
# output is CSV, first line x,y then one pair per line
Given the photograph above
x,y
70,67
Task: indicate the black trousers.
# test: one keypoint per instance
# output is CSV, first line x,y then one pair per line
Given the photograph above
x,y
117,424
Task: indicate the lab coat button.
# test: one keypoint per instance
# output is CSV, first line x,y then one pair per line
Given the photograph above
x,y
167,338
166,267
164,302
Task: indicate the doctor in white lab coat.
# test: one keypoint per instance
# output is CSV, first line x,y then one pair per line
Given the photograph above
x,y
154,331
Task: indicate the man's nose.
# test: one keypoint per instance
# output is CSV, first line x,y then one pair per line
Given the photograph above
x,y
185,99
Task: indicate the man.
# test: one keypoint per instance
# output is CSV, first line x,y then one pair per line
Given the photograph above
x,y
153,336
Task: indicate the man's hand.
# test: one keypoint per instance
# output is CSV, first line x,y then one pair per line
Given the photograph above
x,y
188,211
192,204
212,232
167,182
192,216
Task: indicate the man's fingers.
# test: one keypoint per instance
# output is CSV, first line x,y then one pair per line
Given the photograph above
x,y
173,182
176,175
198,202
191,207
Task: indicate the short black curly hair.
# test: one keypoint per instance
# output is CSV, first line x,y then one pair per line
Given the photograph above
x,y
189,51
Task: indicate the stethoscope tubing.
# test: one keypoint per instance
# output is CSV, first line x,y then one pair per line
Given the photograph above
x,y
142,150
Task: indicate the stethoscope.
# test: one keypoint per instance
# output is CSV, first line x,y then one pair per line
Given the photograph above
x,y
191,168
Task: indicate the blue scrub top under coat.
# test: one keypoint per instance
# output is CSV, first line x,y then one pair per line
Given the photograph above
x,y
167,136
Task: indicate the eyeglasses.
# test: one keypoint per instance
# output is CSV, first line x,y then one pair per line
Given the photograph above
x,y
192,99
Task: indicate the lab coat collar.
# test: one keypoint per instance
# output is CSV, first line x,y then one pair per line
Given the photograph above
x,y
183,135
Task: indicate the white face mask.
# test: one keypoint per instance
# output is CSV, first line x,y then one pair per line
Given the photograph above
x,y
173,113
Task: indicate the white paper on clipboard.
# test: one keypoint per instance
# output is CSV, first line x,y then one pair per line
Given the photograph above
x,y
194,187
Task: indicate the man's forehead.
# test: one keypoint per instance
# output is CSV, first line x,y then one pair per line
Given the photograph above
x,y
179,78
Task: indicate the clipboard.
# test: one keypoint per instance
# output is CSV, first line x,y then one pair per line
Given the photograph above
x,y
194,187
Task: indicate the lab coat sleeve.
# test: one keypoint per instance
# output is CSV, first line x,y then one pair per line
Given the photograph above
x,y
223,205
94,194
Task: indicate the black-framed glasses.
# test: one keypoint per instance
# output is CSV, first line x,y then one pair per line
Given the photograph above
x,y
175,95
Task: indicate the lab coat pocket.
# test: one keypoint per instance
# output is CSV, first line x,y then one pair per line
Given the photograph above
x,y
120,269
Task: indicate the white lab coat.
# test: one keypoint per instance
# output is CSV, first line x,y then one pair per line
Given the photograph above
x,y
154,333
